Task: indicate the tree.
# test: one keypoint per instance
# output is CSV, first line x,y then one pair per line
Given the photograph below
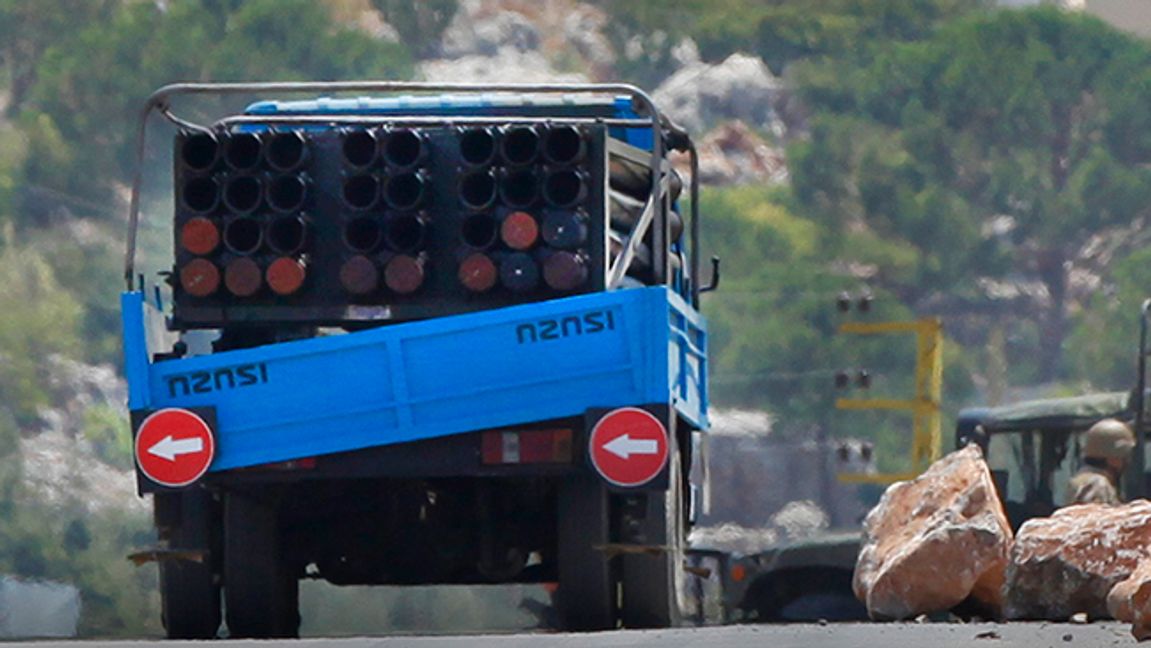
x,y
40,319
90,85
780,31
773,340
28,29
995,148
79,73
1103,346
420,24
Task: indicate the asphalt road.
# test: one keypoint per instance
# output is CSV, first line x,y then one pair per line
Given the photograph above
x,y
861,635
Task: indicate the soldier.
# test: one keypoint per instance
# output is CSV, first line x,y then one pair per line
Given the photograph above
x,y
1106,450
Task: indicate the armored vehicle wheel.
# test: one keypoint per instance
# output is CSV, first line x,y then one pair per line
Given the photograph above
x,y
261,591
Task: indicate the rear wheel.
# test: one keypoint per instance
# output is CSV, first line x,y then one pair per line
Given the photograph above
x,y
586,596
654,582
261,590
189,589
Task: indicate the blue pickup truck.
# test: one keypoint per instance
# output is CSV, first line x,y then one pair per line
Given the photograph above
x,y
417,334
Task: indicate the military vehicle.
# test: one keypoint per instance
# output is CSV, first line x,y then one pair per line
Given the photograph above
x,y
1034,447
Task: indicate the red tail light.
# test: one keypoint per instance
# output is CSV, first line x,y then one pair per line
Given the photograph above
x,y
527,446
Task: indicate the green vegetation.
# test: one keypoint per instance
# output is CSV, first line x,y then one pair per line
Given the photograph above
x,y
944,146
40,319
1033,118
87,549
948,148
779,31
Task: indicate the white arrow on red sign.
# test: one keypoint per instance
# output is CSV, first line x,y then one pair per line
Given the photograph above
x,y
174,447
170,447
625,446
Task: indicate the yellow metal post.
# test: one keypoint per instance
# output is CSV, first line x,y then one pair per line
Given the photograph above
x,y
924,408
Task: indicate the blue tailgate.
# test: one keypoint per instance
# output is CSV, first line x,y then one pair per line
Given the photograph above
x,y
433,378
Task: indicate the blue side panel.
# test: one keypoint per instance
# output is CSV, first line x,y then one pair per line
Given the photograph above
x,y
638,137
687,360
135,349
466,104
442,105
433,378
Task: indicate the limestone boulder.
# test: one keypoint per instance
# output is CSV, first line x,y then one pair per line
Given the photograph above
x,y
934,542
1068,563
1139,603
1130,600
1119,598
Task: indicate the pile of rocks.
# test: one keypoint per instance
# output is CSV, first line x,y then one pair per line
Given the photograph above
x,y
735,107
942,542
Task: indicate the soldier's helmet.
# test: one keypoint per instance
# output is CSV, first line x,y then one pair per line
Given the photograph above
x,y
1109,439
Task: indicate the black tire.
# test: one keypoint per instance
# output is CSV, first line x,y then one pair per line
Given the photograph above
x,y
261,590
805,594
654,585
585,598
189,590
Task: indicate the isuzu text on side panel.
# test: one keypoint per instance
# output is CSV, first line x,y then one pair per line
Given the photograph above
x,y
446,336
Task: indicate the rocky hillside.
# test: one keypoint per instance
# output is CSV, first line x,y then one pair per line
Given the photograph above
x,y
735,108
77,457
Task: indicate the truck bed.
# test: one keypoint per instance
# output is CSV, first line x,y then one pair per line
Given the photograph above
x,y
421,380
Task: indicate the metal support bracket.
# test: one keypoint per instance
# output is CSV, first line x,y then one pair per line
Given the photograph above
x,y
924,407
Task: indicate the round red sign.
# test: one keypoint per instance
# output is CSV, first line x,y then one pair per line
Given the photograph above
x,y
174,447
628,447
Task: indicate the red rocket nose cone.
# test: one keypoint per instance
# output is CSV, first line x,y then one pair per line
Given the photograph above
x,y
359,275
199,235
478,273
200,278
243,277
519,230
564,271
404,274
285,275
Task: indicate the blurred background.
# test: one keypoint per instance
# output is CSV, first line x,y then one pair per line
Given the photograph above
x,y
982,162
